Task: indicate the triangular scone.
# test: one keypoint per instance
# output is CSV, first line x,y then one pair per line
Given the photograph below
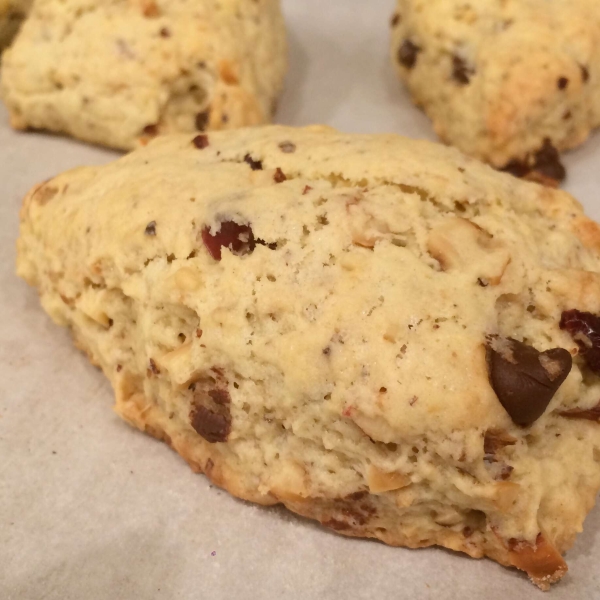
x,y
382,334
122,72
511,82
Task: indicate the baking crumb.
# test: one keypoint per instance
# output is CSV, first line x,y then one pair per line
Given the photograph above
x,y
213,553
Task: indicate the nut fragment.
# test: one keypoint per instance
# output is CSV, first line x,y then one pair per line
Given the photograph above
x,y
541,561
458,243
381,481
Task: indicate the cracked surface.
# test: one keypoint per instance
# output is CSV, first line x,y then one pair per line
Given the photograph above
x,y
319,339
503,80
120,73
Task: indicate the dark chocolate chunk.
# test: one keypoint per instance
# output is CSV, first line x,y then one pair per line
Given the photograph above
x,y
150,228
151,130
255,165
279,176
547,162
584,328
461,71
408,54
591,414
212,426
269,245
238,238
202,120
562,83
524,379
201,141
287,147
517,168
544,166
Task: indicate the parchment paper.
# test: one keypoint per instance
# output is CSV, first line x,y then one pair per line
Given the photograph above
x,y
91,509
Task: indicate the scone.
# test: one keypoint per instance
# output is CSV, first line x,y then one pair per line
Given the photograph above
x,y
382,334
509,82
12,13
119,73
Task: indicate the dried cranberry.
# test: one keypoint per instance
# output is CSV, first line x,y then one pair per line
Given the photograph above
x,y
584,328
238,238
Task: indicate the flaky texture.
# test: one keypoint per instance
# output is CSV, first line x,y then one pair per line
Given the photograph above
x,y
12,13
500,77
121,72
333,358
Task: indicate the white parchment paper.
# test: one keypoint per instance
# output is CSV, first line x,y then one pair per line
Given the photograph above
x,y
91,509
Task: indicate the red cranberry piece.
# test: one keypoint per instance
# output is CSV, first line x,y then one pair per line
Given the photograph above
x,y
584,328
238,238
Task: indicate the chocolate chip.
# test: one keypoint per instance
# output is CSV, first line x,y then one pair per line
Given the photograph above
x,y
524,379
395,20
165,32
562,83
585,74
201,141
202,120
591,414
150,228
517,168
547,162
279,176
255,165
269,245
408,54
461,72
287,147
543,166
584,328
151,130
238,238
213,427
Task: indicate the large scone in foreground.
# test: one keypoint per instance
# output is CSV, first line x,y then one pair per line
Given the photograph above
x,y
509,82
336,322
119,73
